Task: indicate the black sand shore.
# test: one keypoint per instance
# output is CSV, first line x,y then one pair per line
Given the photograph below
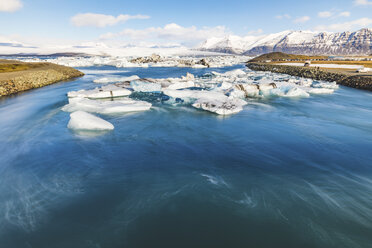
x,y
344,77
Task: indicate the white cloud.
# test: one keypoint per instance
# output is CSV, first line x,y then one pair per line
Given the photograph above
x,y
10,5
101,20
302,19
352,25
325,14
362,2
170,32
285,16
345,14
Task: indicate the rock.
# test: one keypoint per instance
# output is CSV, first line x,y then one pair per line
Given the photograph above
x,y
154,58
359,82
203,62
185,63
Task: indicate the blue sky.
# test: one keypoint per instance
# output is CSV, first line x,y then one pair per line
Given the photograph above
x,y
191,21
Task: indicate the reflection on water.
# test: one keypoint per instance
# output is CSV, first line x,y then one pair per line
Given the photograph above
x,y
282,173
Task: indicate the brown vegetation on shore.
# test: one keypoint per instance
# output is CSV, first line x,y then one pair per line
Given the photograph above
x,y
16,76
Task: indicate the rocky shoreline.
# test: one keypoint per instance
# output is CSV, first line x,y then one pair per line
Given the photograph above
x,y
363,82
40,75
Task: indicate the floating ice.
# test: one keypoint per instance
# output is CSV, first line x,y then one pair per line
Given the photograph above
x,y
225,85
106,107
296,92
81,120
181,85
244,90
105,80
195,94
326,85
113,90
226,107
127,61
321,91
235,73
145,86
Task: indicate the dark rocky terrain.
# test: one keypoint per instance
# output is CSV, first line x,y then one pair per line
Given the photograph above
x,y
340,76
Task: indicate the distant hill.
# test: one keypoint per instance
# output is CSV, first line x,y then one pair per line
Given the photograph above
x,y
279,56
295,42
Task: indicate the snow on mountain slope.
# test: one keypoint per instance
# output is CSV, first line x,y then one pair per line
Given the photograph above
x,y
303,42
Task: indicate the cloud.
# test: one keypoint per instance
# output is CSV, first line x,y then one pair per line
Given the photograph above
x,y
170,32
101,20
362,2
10,5
302,19
352,25
345,14
285,16
325,14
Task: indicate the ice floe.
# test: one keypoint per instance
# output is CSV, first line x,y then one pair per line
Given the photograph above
x,y
106,80
130,61
107,91
145,86
81,120
225,107
220,93
106,107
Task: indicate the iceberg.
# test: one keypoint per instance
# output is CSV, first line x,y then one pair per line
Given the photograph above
x,y
195,94
108,91
181,85
106,80
145,86
249,90
226,107
296,92
326,85
106,107
81,120
321,91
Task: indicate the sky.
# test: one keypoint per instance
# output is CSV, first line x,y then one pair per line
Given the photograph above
x,y
171,22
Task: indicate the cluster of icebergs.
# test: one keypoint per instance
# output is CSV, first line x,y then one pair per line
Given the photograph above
x,y
119,62
220,93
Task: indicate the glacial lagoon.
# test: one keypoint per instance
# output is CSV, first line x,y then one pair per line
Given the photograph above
x,y
284,172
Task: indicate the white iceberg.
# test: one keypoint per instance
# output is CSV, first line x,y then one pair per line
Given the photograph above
x,y
317,91
249,90
195,94
235,73
226,107
225,85
326,85
106,80
181,85
81,120
106,107
296,92
108,91
145,86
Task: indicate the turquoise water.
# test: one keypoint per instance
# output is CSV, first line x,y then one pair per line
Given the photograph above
x,y
281,173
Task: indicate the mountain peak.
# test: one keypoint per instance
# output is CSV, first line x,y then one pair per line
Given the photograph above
x,y
295,41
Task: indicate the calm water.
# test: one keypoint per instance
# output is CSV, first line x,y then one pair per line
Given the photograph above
x,y
282,173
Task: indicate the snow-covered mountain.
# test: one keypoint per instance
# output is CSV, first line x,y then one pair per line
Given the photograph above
x,y
299,42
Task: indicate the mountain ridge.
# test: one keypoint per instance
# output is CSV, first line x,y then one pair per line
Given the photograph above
x,y
297,42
